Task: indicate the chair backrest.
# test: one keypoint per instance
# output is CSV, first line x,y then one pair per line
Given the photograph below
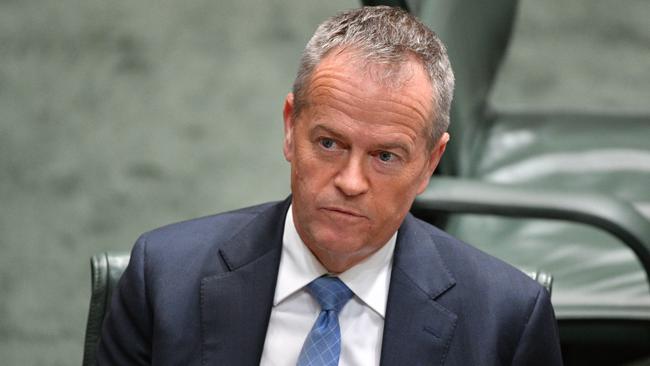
x,y
476,34
106,270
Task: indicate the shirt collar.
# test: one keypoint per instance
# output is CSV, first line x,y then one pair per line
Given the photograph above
x,y
369,279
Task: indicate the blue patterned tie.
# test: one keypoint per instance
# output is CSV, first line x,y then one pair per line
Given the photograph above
x,y
323,344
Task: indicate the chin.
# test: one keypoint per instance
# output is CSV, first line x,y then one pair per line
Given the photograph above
x,y
339,242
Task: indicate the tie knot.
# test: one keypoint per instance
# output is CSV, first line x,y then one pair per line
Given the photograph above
x,y
330,292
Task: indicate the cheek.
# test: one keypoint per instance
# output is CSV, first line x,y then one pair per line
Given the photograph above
x,y
394,197
311,167
308,176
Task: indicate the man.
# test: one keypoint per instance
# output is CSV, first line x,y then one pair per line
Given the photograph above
x,y
364,130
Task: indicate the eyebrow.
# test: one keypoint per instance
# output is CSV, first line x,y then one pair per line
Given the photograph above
x,y
328,130
394,145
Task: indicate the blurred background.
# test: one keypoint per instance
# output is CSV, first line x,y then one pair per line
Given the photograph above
x,y
119,117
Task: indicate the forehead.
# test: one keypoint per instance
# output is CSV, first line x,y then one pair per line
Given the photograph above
x,y
370,92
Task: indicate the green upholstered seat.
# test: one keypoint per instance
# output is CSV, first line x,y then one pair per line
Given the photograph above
x,y
571,149
596,275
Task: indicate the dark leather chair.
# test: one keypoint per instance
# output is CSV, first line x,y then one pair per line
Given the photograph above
x,y
106,270
562,190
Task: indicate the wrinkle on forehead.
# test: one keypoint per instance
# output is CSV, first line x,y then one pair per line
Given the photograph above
x,y
394,105
404,97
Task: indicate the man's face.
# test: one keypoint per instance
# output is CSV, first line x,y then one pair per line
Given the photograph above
x,y
359,156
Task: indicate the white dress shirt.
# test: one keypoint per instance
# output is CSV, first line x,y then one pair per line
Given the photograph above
x,y
294,310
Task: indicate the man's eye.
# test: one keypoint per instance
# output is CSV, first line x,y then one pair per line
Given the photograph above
x,y
386,156
327,143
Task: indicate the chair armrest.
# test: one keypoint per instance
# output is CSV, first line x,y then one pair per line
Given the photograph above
x,y
618,217
106,270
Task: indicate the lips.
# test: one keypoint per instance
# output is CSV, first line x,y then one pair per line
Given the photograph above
x,y
344,211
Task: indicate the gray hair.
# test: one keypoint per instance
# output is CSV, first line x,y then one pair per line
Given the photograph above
x,y
388,36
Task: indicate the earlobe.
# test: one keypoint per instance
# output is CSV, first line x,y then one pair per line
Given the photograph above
x,y
287,114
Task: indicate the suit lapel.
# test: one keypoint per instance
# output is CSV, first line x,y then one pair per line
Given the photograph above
x,y
417,329
236,304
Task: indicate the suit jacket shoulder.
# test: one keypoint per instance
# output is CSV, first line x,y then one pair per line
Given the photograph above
x,y
191,287
184,243
450,303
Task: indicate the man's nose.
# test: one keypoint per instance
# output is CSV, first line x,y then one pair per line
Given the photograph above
x,y
351,179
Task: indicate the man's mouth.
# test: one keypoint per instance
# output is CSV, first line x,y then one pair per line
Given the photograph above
x,y
344,211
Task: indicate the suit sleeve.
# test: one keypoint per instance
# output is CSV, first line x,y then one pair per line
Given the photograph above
x,y
539,342
127,329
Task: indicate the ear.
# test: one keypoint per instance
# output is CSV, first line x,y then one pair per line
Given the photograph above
x,y
434,158
287,113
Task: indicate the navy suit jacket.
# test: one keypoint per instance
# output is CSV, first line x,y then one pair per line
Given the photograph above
x,y
200,293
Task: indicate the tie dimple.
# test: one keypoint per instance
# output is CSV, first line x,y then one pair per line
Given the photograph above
x,y
323,344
